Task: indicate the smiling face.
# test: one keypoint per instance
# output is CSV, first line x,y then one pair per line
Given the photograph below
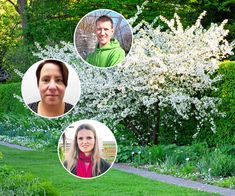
x,y
86,141
51,86
104,32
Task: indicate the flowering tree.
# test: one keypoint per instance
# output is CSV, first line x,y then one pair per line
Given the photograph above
x,y
165,71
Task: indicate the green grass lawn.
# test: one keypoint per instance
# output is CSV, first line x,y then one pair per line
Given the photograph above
x,y
47,166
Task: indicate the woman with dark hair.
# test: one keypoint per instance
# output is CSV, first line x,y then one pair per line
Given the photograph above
x,y
52,80
84,159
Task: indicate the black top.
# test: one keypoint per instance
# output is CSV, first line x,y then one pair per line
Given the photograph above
x,y
104,166
34,106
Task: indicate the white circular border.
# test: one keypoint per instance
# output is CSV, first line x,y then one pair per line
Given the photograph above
x,y
74,39
94,123
29,82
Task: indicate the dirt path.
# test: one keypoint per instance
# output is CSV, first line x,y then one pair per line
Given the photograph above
x,y
174,180
15,146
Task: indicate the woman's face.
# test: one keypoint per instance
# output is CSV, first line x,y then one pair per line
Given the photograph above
x,y
86,141
51,86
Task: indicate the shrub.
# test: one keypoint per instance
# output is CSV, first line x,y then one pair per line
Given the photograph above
x,y
188,169
228,149
192,153
228,182
1,156
217,164
31,131
196,162
25,141
19,57
128,154
225,133
222,164
13,182
157,153
8,103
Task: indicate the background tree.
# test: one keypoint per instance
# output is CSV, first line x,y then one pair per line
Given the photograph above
x,y
9,29
49,22
20,8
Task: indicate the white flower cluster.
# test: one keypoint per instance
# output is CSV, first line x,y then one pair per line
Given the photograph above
x,y
164,69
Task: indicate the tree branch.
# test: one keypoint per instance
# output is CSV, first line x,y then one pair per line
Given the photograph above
x,y
11,2
15,6
130,126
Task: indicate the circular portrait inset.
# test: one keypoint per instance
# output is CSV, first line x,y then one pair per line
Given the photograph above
x,y
87,149
103,38
50,88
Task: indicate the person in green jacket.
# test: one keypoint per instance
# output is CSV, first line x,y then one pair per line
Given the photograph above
x,y
108,51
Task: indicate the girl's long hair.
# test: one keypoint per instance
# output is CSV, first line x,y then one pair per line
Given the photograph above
x,y
74,153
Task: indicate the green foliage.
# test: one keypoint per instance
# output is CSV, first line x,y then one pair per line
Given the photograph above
x,y
181,134
1,156
127,153
157,153
49,22
16,120
27,141
187,169
225,133
195,161
175,132
217,11
8,103
19,125
13,182
217,164
226,129
31,131
228,182
19,57
123,135
114,182
176,155
61,154
9,28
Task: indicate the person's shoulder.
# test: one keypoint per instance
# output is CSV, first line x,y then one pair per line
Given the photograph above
x,y
65,164
120,50
104,164
34,106
116,46
68,107
73,171
117,55
91,54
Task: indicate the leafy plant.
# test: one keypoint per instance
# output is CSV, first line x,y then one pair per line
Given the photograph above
x,y
157,153
222,164
228,182
128,154
1,156
13,182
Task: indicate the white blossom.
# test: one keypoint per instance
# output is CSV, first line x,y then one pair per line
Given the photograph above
x,y
165,69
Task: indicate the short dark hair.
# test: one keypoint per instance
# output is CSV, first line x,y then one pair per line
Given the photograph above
x,y
104,18
61,65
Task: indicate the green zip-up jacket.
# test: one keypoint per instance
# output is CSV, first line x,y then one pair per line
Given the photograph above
x,y
106,56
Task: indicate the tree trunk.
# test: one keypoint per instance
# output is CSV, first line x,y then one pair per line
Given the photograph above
x,y
157,125
21,10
